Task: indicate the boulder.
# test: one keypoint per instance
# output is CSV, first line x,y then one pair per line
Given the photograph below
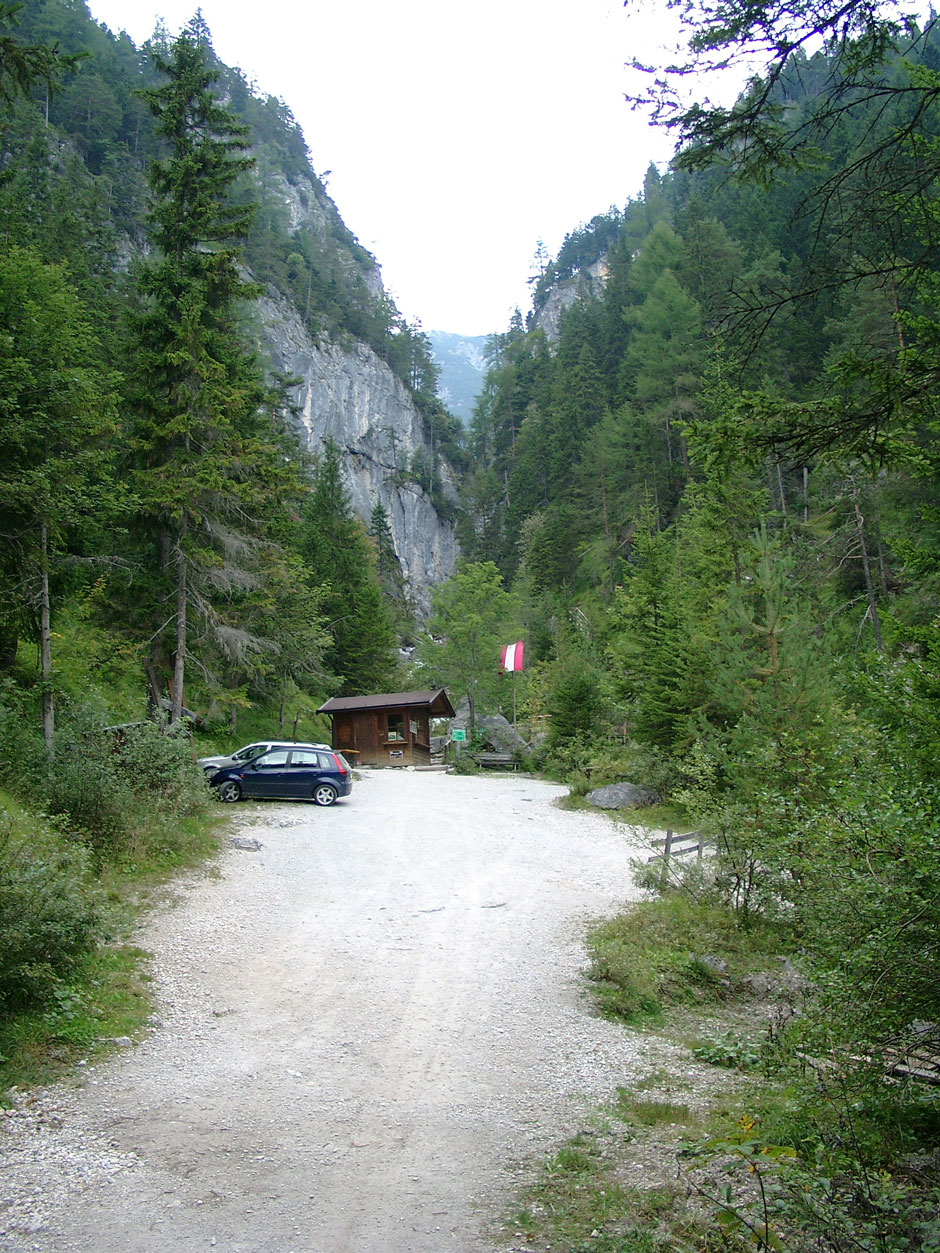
x,y
497,731
499,734
622,796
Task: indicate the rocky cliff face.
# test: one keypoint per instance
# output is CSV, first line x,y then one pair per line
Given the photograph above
x,y
349,394
585,284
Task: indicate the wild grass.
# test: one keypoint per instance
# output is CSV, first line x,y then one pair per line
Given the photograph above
x,y
671,951
577,1203
106,999
70,981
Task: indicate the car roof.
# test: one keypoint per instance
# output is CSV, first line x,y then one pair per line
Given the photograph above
x,y
284,744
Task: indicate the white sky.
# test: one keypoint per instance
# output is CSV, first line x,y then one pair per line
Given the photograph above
x,y
457,136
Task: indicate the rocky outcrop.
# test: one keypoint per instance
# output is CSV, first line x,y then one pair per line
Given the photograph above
x,y
584,285
348,394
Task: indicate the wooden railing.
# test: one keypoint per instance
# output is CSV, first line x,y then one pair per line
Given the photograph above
x,y
680,844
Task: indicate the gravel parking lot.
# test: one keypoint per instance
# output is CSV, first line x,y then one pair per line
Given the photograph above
x,y
370,1028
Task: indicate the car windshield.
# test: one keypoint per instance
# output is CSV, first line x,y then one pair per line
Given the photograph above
x,y
252,750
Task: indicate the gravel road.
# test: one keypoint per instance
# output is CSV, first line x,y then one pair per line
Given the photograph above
x,y
370,1028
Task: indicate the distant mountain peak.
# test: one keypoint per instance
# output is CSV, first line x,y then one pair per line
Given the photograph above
x,y
463,369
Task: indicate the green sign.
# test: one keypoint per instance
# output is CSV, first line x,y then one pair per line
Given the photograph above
x,y
458,735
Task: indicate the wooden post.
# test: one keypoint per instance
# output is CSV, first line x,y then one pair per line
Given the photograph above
x,y
667,850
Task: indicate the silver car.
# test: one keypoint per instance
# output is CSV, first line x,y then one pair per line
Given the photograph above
x,y
244,755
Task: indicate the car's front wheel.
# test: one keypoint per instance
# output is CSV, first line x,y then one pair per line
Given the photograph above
x,y
325,794
230,791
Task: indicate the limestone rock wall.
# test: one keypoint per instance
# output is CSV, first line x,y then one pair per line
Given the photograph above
x,y
350,394
581,286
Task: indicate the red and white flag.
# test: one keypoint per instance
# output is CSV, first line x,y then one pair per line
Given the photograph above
x,y
511,657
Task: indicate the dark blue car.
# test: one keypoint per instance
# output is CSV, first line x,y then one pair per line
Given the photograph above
x,y
309,774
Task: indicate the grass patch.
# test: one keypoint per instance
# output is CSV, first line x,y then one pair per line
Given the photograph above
x,y
106,999
660,817
578,1204
673,951
645,1112
97,990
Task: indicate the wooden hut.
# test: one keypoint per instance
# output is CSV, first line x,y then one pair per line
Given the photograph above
x,y
393,729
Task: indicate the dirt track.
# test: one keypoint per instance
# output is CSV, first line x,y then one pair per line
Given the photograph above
x,y
369,1028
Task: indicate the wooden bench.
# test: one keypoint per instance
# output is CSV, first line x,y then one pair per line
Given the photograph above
x,y
495,761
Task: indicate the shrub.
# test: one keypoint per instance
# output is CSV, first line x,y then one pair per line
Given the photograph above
x,y
118,787
49,913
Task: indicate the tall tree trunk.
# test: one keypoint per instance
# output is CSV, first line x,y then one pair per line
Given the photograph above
x,y
45,646
607,539
866,566
179,660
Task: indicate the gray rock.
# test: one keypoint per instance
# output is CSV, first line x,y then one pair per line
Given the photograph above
x,y
717,964
496,729
499,734
350,395
623,796
585,285
767,986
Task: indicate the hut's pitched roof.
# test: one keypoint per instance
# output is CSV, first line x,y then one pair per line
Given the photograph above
x,y
436,702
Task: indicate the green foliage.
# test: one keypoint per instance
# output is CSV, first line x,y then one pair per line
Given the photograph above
x,y
356,614
23,65
472,617
575,700
674,950
57,418
104,997
49,914
578,1203
823,1170
728,1050
125,792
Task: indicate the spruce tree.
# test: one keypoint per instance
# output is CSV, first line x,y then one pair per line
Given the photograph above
x,y
56,419
362,640
207,468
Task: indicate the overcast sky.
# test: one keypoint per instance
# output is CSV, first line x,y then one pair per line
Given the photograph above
x,y
456,136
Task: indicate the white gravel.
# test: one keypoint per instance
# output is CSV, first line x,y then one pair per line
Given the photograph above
x,y
368,1029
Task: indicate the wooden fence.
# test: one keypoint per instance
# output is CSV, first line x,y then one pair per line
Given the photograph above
x,y
680,844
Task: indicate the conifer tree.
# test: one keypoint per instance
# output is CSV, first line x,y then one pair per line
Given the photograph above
x,y
362,641
56,416
207,467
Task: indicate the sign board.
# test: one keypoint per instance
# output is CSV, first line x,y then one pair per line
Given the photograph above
x,y
458,735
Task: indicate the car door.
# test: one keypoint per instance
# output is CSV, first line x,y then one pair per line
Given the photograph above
x,y
303,772
267,775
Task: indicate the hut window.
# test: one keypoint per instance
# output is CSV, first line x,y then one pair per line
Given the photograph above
x,y
396,726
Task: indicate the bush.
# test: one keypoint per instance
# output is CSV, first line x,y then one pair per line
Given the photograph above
x,y
118,787
49,913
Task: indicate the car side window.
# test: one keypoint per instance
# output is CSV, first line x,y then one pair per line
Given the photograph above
x,y
303,757
326,762
272,760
